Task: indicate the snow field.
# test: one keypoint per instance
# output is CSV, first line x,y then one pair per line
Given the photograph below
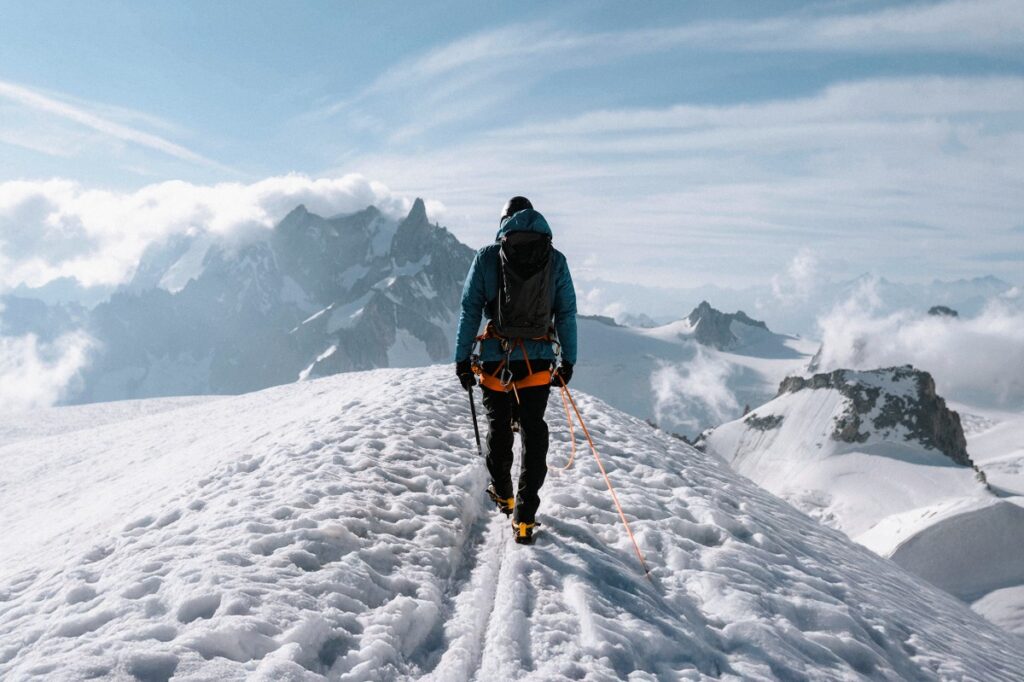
x,y
337,529
999,450
50,421
854,487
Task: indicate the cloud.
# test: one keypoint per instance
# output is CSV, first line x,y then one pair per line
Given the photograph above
x,y
61,228
695,394
960,25
87,117
978,360
520,55
971,26
595,301
897,99
35,374
842,168
799,281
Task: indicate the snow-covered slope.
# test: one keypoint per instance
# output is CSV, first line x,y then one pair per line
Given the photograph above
x,y
878,455
337,529
996,443
838,447
691,374
51,421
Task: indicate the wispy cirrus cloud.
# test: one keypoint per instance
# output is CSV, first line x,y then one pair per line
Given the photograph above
x,y
851,166
92,118
484,71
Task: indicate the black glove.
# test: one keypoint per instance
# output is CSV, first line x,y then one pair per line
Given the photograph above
x,y
564,371
464,371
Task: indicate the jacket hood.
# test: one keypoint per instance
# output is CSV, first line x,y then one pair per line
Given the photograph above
x,y
526,220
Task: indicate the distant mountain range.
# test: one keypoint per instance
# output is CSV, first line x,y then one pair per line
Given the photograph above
x,y
316,296
796,314
689,374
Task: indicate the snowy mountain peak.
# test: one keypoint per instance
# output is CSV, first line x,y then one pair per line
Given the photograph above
x,y
885,404
418,212
852,447
296,213
712,327
314,296
412,238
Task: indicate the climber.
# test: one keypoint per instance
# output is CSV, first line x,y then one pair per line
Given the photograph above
x,y
524,288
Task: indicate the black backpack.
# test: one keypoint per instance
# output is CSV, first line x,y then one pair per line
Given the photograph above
x,y
523,308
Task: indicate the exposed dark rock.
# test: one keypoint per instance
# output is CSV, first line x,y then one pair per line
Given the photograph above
x,y
767,423
942,311
678,436
712,327
882,400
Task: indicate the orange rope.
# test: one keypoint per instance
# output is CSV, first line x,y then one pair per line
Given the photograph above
x,y
600,465
572,432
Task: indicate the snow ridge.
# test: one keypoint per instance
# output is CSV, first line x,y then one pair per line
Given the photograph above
x,y
337,529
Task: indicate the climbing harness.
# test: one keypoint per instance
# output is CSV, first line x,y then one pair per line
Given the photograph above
x,y
501,379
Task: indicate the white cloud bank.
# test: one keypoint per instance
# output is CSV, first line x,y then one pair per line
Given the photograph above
x,y
695,394
59,228
34,374
800,279
978,360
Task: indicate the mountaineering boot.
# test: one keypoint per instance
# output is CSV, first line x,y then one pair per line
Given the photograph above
x,y
505,504
523,532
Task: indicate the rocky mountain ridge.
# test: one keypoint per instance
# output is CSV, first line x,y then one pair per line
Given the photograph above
x,y
313,297
882,400
712,327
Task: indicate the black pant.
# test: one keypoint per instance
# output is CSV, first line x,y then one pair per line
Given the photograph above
x,y
502,408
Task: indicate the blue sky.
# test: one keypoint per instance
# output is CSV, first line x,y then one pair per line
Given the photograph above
x,y
675,144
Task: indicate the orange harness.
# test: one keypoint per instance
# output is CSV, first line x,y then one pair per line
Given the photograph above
x,y
501,379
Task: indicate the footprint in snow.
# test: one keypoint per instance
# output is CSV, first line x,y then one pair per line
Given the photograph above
x,y
202,606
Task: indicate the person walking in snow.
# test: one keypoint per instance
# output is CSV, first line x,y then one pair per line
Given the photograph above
x,y
524,288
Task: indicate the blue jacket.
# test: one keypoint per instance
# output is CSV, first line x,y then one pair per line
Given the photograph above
x,y
482,286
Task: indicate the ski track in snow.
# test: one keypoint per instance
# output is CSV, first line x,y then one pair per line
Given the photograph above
x,y
338,529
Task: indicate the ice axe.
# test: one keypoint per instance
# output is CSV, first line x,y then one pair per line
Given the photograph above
x,y
476,427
